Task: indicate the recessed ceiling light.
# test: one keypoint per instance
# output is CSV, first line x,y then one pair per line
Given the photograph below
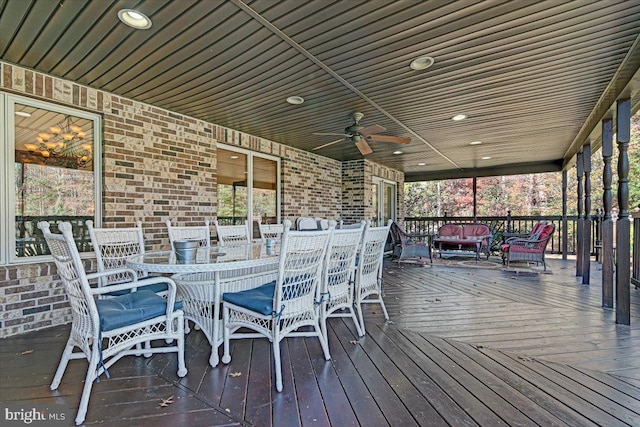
x,y
134,19
486,157
295,100
458,117
422,63
475,143
397,152
421,164
22,114
233,157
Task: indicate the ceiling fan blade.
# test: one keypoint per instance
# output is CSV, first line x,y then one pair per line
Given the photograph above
x,y
330,133
387,138
364,147
328,144
370,130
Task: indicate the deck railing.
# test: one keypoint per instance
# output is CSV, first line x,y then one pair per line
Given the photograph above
x,y
502,224
29,239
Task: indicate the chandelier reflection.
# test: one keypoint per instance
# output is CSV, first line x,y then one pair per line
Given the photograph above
x,y
62,145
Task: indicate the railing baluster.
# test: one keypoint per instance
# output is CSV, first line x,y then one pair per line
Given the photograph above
x,y
519,223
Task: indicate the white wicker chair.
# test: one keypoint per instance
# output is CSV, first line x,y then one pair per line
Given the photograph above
x,y
368,288
343,226
201,297
306,223
195,232
270,231
106,330
112,247
338,283
279,308
232,234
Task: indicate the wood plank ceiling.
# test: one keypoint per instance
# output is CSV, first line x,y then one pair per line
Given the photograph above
x,y
532,77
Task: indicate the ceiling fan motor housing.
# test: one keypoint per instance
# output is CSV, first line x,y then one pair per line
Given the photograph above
x,y
353,129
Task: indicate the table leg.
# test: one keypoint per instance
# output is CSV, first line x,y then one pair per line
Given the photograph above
x,y
214,359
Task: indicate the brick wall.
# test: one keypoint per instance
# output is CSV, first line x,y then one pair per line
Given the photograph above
x,y
156,165
353,192
357,197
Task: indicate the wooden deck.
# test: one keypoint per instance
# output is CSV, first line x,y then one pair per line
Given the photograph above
x,y
464,347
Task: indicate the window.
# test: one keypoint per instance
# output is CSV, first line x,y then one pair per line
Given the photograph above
x,y
248,187
50,173
383,200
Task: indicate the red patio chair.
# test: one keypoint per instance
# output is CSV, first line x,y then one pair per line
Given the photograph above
x,y
530,249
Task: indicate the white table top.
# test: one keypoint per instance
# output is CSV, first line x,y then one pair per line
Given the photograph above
x,y
216,258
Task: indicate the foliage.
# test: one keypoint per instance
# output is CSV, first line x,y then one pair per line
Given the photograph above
x,y
232,202
52,191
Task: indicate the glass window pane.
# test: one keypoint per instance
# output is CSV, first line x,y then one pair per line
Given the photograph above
x,y
232,187
374,203
54,179
389,205
265,192
265,188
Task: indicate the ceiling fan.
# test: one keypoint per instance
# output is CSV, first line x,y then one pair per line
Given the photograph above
x,y
360,135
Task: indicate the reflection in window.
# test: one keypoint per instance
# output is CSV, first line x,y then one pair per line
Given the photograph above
x,y
54,178
238,201
232,187
265,187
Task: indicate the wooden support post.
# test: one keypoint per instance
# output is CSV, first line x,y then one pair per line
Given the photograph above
x,y
597,236
580,221
586,225
623,226
565,222
475,199
607,225
635,274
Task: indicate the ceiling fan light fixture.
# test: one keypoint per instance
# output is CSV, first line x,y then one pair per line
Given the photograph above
x,y
134,19
422,63
458,117
295,100
475,143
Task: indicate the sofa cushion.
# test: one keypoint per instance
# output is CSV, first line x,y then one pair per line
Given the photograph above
x,y
537,228
546,231
450,230
474,230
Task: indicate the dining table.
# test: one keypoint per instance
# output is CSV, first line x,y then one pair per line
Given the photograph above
x,y
213,271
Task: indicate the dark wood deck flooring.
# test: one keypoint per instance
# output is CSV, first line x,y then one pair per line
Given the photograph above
x,y
465,347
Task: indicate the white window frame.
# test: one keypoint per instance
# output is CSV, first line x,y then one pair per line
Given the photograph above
x,y
7,142
250,155
380,183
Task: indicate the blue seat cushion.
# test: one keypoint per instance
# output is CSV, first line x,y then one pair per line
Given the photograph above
x,y
258,299
131,308
156,287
